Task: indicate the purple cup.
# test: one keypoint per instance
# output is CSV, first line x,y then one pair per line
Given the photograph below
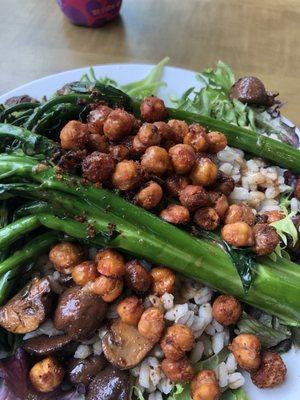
x,y
92,13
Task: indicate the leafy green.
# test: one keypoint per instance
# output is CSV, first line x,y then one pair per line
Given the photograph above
x,y
138,89
137,394
213,361
286,229
269,331
149,85
180,392
242,259
235,394
213,98
8,343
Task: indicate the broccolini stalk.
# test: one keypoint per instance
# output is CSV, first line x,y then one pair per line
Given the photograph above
x,y
30,251
16,229
275,288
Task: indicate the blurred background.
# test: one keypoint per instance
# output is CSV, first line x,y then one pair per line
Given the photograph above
x,y
255,37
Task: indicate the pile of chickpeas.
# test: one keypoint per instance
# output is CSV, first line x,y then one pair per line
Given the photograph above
x,y
110,276
158,161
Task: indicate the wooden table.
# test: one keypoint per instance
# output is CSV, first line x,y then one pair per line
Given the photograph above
x,y
254,37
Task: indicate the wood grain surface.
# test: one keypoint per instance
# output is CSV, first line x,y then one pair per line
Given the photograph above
x,y
258,37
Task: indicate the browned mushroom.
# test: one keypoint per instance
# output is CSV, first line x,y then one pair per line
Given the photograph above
x,y
251,90
110,384
44,345
124,346
27,309
79,312
83,371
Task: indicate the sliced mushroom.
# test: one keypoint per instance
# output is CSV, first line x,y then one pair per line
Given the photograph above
x,y
251,90
124,346
44,345
27,309
79,313
110,384
83,371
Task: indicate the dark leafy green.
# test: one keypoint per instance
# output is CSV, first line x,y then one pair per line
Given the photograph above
x,y
270,332
242,259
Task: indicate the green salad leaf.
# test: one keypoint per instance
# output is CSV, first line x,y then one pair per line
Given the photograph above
x,y
180,392
235,394
286,229
137,89
269,331
212,100
213,361
136,393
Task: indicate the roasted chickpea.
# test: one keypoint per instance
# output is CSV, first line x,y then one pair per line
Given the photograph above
x,y
110,263
64,256
175,184
126,175
238,234
240,212
130,310
164,130
273,216
148,135
155,160
119,152
217,141
149,196
177,340
193,197
137,277
118,124
204,173
182,158
197,138
178,371
219,202
226,310
246,350
97,142
297,189
74,136
98,167
138,147
163,280
84,273
266,239
271,373
179,129
153,109
175,214
46,375
224,184
207,218
108,288
152,324
205,386
97,117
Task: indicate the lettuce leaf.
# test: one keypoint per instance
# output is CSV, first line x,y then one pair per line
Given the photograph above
x,y
137,89
286,229
213,100
180,392
235,394
269,331
149,85
213,361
